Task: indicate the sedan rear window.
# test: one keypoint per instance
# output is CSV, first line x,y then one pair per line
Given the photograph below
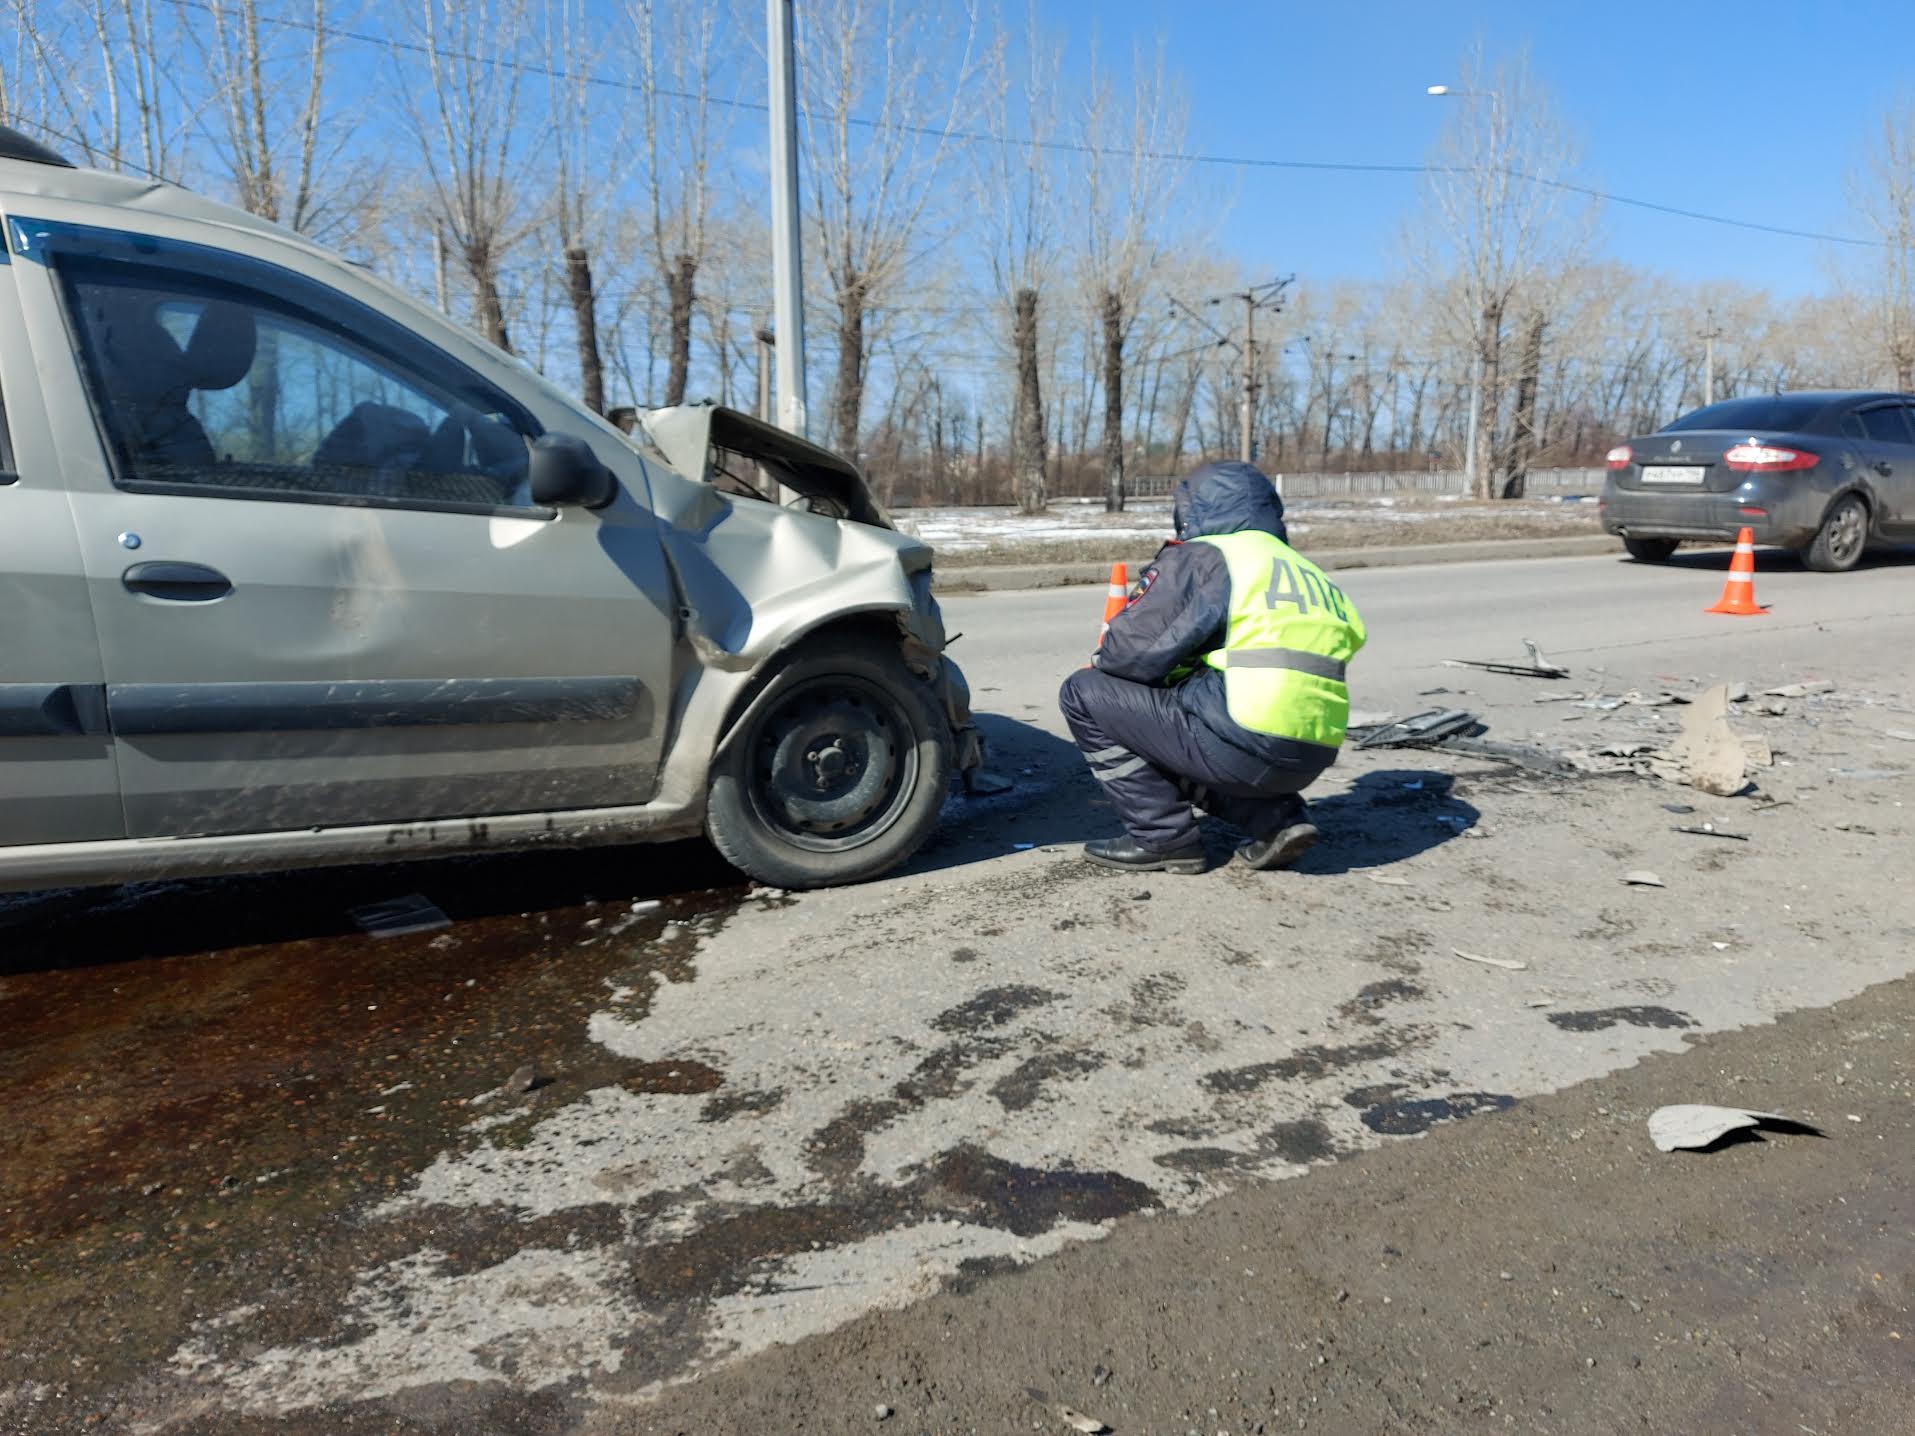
x,y
1763,412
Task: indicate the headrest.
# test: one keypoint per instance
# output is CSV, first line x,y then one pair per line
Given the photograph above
x,y
220,353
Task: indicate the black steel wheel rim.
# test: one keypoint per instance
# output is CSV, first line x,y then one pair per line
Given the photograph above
x,y
833,764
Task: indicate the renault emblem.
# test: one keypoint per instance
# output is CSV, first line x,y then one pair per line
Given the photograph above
x,y
1676,447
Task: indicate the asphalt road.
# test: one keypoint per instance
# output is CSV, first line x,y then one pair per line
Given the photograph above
x,y
275,1171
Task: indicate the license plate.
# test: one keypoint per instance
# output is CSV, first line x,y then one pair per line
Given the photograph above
x,y
1673,473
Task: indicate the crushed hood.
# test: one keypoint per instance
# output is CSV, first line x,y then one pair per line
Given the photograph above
x,y
1228,498
692,436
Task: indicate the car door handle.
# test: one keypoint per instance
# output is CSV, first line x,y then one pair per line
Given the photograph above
x,y
177,582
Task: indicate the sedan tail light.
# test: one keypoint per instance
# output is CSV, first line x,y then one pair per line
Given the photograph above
x,y
1620,456
1754,458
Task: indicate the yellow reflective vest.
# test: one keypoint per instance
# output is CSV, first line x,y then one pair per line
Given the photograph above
x,y
1290,635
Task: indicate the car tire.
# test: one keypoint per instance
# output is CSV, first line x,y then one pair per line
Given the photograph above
x,y
837,775
1843,538
1651,550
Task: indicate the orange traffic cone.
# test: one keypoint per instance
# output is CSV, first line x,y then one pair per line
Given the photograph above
x,y
1115,597
1738,590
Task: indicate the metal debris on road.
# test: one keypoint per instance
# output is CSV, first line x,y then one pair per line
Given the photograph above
x,y
1508,964
1537,667
399,916
1692,1126
1431,726
1710,830
1643,878
1800,690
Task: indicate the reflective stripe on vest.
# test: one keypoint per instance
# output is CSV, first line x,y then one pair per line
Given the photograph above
x,y
1290,636
1285,658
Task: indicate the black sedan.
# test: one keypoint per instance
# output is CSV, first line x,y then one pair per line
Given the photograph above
x,y
1826,474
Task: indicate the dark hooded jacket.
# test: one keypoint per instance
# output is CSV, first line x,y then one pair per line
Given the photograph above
x,y
1182,607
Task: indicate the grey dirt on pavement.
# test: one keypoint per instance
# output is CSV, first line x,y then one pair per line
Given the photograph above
x,y
629,1147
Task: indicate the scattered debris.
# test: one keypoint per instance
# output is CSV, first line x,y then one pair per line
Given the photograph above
x,y
1867,775
1683,808
1738,693
1540,1002
1389,880
1100,1375
1710,830
983,783
1370,718
1664,699
1643,878
1800,690
1710,755
1901,734
1623,750
1694,1126
399,916
1431,726
1758,752
1076,1420
881,1412
525,1078
1855,828
1537,667
1508,964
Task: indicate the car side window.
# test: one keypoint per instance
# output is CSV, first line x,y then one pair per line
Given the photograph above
x,y
1887,424
210,387
1852,427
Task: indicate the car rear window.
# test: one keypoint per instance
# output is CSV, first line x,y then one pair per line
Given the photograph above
x,y
1773,412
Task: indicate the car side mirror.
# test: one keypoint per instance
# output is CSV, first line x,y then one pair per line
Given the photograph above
x,y
565,472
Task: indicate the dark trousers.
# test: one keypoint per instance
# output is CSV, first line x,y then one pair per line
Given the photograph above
x,y
1155,758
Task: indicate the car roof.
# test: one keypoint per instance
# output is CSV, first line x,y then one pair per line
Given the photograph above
x,y
23,181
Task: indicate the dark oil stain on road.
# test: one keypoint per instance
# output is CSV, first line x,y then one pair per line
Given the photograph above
x,y
992,1007
1300,1142
1409,1117
1025,1084
1366,1007
205,1081
1307,1063
1602,1019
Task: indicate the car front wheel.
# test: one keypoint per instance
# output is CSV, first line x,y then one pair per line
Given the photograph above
x,y
1839,545
1650,550
838,774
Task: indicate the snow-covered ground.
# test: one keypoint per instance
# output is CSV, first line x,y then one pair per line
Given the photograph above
x,y
1146,522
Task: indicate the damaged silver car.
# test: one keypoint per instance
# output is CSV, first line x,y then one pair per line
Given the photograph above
x,y
295,571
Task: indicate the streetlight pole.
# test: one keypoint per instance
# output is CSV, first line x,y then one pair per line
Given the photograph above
x,y
787,282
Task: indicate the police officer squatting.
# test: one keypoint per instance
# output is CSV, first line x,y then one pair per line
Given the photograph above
x,y
1220,686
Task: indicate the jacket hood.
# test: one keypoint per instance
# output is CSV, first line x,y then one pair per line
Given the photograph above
x,y
1228,498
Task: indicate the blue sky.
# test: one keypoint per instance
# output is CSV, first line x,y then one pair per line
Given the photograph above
x,y
1754,109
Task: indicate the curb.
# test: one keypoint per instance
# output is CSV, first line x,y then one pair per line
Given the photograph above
x,y
991,578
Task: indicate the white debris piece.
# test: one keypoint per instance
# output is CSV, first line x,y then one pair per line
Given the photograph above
x,y
1711,755
1800,690
1693,1125
1508,964
1643,878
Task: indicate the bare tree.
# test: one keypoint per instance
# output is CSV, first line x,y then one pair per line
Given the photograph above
x,y
1017,189
97,76
1128,195
1500,222
289,158
881,84
467,127
1883,193
677,71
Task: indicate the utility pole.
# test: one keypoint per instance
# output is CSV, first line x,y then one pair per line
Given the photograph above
x,y
1475,418
787,281
1709,337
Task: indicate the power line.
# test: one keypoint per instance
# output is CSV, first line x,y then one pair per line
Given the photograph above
x,y
1076,147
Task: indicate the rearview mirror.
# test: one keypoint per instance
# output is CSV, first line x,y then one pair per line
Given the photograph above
x,y
565,472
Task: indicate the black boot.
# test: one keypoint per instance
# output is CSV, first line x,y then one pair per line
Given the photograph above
x,y
1132,856
1291,835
